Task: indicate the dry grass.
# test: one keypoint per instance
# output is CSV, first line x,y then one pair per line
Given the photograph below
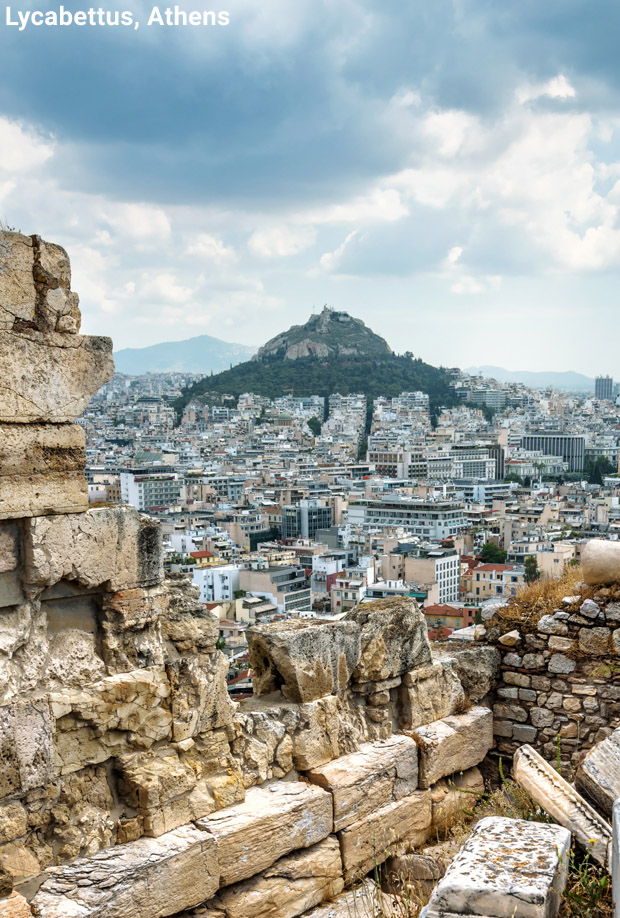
x,y
541,598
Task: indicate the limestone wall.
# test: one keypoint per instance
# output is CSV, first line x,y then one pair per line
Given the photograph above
x,y
130,783
560,678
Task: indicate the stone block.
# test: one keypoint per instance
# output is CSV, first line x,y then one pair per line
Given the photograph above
x,y
430,693
600,560
507,867
13,822
394,639
595,641
560,664
451,797
15,906
112,546
269,824
453,744
52,376
563,803
599,774
119,714
477,667
42,494
148,878
199,696
25,746
294,884
187,625
17,291
170,787
305,659
365,901
369,842
131,632
369,778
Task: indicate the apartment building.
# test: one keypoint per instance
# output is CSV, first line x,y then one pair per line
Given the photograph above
x,y
428,519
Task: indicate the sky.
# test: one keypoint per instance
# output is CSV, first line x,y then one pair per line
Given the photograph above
x,y
446,170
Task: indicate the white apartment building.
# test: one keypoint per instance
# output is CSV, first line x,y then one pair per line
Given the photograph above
x,y
430,520
217,584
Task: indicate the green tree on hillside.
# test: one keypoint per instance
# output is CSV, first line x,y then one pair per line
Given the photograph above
x,y
491,554
532,571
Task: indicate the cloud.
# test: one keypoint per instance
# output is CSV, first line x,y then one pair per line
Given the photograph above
x,y
556,88
281,241
22,148
212,249
330,261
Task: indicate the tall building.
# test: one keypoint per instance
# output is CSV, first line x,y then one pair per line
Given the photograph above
x,y
303,519
570,447
604,387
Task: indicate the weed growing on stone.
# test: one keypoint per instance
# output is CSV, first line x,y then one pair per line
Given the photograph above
x,y
588,891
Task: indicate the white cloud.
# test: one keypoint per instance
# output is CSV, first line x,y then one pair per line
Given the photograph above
x,y
467,284
281,241
330,261
211,248
166,288
142,222
556,88
22,149
380,205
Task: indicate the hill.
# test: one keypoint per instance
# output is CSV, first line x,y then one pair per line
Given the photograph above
x,y
331,353
536,380
328,334
202,354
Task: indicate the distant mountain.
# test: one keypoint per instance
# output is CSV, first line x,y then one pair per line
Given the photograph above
x,y
540,380
328,334
332,352
202,354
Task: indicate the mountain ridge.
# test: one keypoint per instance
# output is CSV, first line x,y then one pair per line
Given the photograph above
x,y
200,354
540,379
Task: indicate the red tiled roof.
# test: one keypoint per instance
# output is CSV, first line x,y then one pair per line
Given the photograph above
x,y
500,568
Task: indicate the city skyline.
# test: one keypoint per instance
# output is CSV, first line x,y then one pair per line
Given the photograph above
x,y
449,176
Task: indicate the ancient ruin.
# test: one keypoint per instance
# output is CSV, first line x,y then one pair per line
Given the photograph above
x,y
132,785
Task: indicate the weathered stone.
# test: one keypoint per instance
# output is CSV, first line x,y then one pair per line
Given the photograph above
x,y
13,822
600,560
19,861
394,639
198,694
64,373
305,659
561,644
149,878
594,641
108,718
40,494
25,746
550,791
561,664
507,867
372,840
131,632
368,779
453,744
550,624
169,787
430,693
294,884
451,797
510,639
112,546
187,626
523,733
15,907
478,668
540,717
272,822
365,901
599,774
17,290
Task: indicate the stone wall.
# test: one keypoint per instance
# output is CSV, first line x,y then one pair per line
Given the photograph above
x,y
130,783
560,677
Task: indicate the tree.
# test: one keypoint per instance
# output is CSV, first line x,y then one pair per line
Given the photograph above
x,y
596,469
315,426
532,571
491,554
